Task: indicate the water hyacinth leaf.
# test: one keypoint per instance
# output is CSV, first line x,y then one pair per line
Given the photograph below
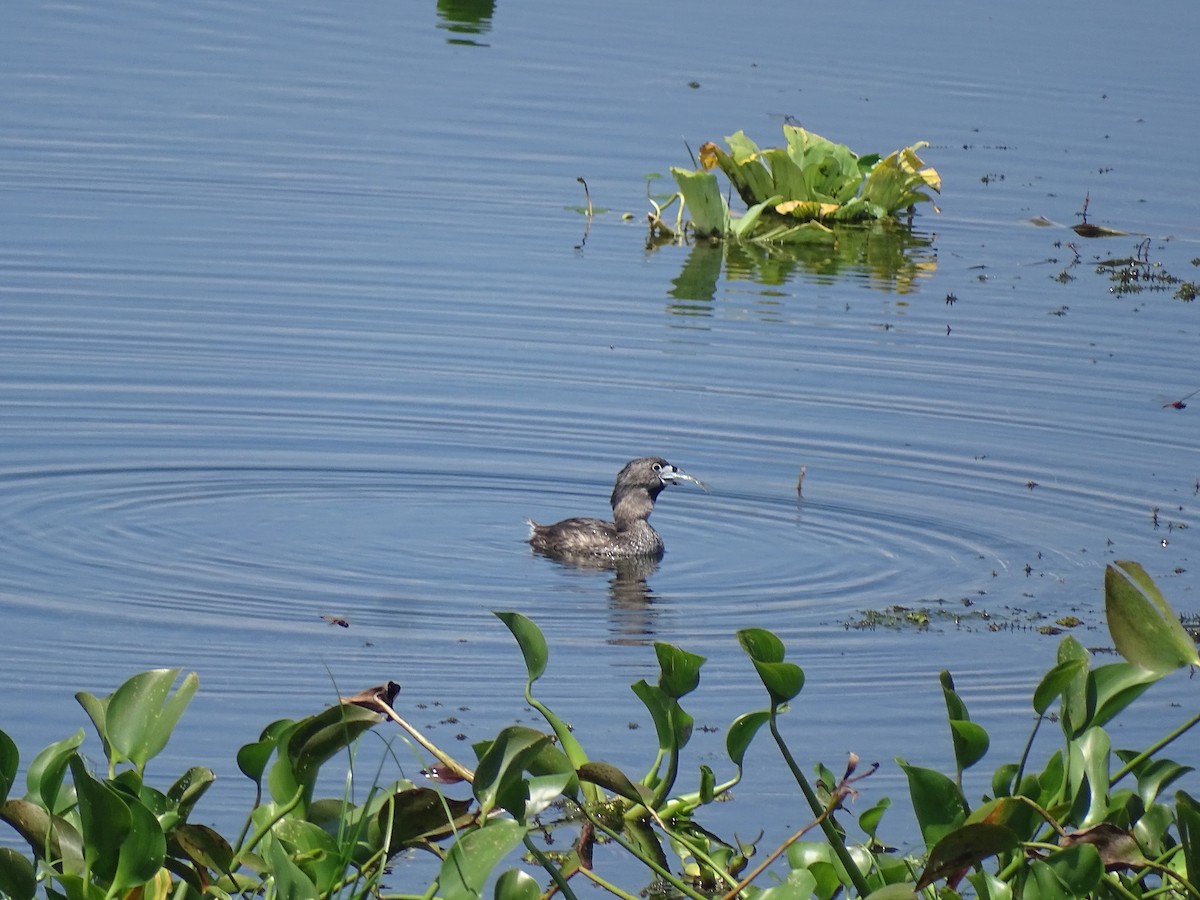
x,y
1187,819
1090,760
989,887
290,881
45,776
1078,695
10,759
104,820
869,820
679,671
517,884
970,742
499,778
672,725
611,778
50,836
800,884
543,791
418,813
252,759
313,851
143,850
143,712
1155,775
97,710
474,856
531,641
741,732
783,680
1114,687
761,645
189,788
18,879
1044,884
937,802
1144,628
963,848
204,846
702,194
1054,682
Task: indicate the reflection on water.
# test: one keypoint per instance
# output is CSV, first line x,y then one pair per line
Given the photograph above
x,y
886,256
465,17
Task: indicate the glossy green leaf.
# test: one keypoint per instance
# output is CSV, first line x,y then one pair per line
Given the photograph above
x,y
1089,771
531,641
869,819
143,712
499,777
679,671
305,745
782,680
741,733
474,856
1144,628
1078,695
708,783
50,837
989,887
1054,682
45,776
10,759
1079,868
970,742
671,723
290,881
965,847
104,818
937,802
800,884
761,645
417,813
142,851
1154,775
204,846
97,710
517,884
1187,820
1114,687
252,759
313,851
897,891
189,788
611,778
18,878
1044,884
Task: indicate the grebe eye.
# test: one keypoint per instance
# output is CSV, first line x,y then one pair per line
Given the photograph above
x,y
657,467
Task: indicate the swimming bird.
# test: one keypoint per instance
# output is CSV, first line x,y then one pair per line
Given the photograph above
x,y
629,535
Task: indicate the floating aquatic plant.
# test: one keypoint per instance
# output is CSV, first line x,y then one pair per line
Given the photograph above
x,y
793,193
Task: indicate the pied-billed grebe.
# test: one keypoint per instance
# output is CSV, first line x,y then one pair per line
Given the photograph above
x,y
629,535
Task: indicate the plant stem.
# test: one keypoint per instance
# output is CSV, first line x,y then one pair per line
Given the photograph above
x,y
611,888
661,871
445,758
831,834
555,875
1152,749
